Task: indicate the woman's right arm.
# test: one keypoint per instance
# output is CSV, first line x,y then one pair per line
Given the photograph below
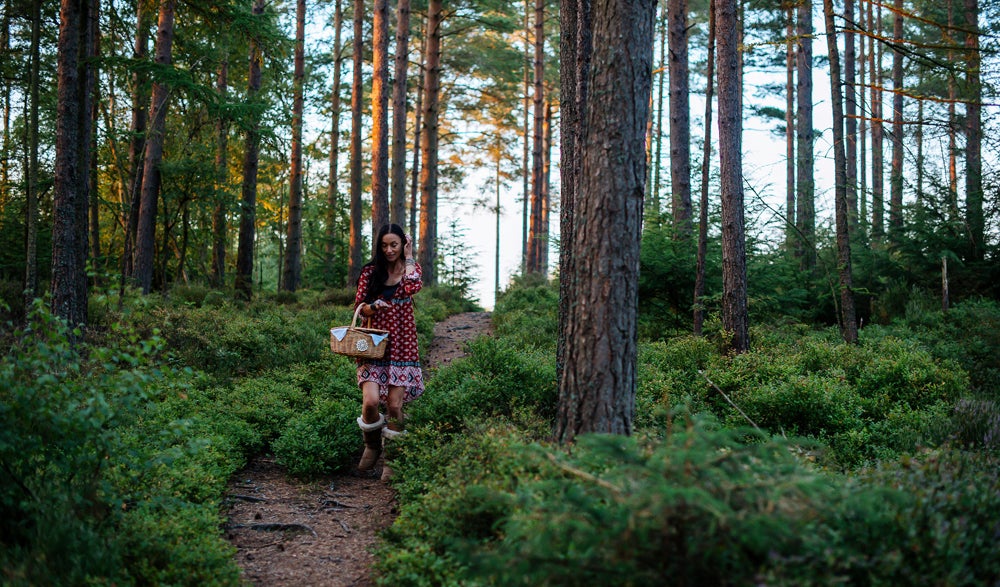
x,y
362,292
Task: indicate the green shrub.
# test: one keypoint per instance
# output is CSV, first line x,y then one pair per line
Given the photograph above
x,y
321,440
66,420
498,378
170,542
938,527
529,317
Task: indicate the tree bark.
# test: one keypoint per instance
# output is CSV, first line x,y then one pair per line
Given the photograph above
x,y
896,171
69,205
848,325
734,272
656,174
333,190
878,171
680,117
92,97
398,208
137,143
792,242
805,213
145,237
575,53
699,277
535,242
974,135
357,88
248,192
291,276
418,111
32,196
220,230
851,115
380,116
597,388
526,191
543,251
429,145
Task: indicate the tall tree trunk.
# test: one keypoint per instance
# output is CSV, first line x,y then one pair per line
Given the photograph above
x,y
5,145
398,211
805,213
380,116
680,117
92,95
734,270
575,51
597,389
862,210
333,190
792,242
918,136
418,111
535,243
706,158
657,207
145,237
848,326
896,172
952,125
69,205
31,205
357,89
973,135
878,172
543,251
291,277
137,142
851,115
525,201
429,145
219,228
248,191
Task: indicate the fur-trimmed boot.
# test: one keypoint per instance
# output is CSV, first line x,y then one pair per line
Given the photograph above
x,y
393,428
373,442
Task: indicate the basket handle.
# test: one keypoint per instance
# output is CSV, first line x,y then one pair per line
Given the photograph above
x,y
357,312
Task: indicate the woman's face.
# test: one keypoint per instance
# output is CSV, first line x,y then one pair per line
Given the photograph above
x,y
392,247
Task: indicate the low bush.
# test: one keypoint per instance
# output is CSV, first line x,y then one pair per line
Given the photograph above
x,y
320,440
498,378
77,472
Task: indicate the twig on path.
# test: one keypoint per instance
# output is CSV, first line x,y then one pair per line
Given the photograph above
x,y
343,525
275,527
245,497
702,373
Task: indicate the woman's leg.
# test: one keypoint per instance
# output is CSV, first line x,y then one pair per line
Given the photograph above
x,y
371,424
369,401
395,403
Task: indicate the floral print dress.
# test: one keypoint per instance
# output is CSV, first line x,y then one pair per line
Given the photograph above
x,y
401,364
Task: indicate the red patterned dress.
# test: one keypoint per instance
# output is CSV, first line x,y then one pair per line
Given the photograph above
x,y
401,364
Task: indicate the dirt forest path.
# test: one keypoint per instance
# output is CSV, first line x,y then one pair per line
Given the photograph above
x,y
289,532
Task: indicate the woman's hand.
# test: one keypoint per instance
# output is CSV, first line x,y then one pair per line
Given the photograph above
x,y
379,305
407,247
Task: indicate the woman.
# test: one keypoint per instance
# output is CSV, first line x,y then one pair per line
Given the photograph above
x,y
385,289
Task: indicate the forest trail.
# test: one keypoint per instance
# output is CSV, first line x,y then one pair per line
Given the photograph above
x,y
319,533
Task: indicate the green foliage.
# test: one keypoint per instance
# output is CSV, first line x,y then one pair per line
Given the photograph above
x,y
320,440
70,459
529,316
499,378
968,334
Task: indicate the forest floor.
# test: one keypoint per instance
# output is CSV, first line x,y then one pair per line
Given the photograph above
x,y
320,533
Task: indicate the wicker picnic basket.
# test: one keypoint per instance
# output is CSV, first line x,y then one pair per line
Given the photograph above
x,y
355,341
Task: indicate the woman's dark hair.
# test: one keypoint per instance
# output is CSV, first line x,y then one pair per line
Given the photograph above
x,y
381,273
